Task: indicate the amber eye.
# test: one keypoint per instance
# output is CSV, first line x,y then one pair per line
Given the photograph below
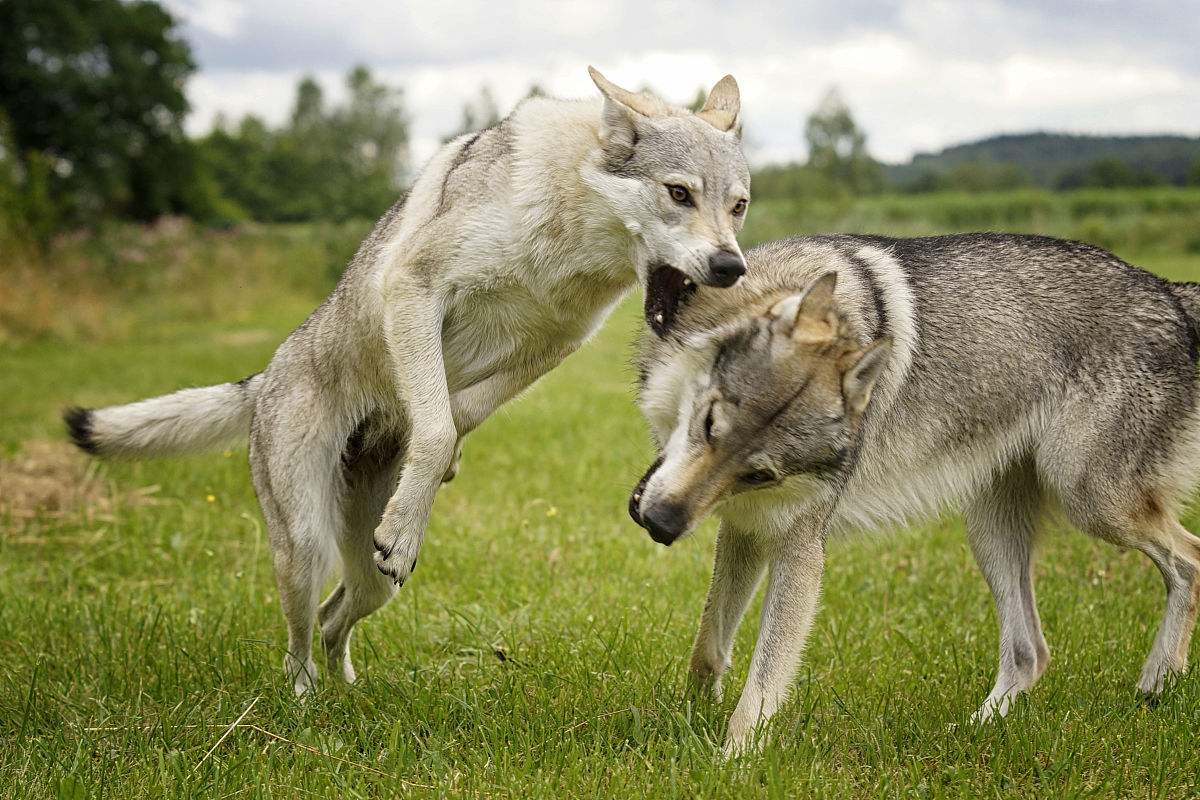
x,y
739,207
758,477
680,194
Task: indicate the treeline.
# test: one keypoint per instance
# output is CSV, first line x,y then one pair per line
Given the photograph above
x,y
92,110
92,107
326,162
839,163
1056,161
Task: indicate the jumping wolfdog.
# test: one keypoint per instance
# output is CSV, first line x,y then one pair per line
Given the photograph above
x,y
509,251
851,381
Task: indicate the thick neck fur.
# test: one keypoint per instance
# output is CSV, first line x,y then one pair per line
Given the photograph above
x,y
563,221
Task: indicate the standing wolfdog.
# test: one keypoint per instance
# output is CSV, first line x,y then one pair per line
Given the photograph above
x,y
510,250
856,380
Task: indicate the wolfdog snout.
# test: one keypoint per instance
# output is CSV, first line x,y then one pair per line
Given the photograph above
x,y
725,268
665,521
635,499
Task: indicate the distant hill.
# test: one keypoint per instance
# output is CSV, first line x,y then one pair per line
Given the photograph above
x,y
1051,159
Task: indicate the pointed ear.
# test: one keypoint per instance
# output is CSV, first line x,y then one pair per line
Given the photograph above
x,y
859,380
642,103
809,318
619,120
723,108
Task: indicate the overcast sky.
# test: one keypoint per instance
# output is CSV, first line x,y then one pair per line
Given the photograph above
x,y
918,74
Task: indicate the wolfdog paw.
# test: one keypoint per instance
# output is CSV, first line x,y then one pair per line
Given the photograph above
x,y
704,685
745,744
993,709
395,562
301,674
744,736
1154,682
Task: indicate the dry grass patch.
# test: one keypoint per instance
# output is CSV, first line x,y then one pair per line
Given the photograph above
x,y
53,479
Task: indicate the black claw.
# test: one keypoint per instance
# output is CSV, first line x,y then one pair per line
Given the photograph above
x,y
413,568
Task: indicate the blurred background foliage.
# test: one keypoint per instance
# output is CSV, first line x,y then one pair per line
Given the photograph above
x,y
104,198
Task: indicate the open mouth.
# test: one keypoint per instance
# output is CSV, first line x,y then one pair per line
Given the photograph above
x,y
667,290
635,499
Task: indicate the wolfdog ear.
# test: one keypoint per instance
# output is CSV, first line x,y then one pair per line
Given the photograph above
x,y
809,318
622,108
866,367
723,108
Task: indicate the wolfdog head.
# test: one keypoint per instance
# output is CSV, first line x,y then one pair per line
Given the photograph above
x,y
679,184
774,413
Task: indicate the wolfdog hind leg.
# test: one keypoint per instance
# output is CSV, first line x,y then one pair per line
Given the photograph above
x,y
1120,486
298,482
1176,553
370,480
1001,527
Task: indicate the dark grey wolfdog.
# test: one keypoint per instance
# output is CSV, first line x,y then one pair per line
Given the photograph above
x,y
850,381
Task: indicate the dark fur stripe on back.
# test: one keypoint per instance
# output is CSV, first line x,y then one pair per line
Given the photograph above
x,y
882,325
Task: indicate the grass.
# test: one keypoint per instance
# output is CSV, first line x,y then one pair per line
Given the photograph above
x,y
540,649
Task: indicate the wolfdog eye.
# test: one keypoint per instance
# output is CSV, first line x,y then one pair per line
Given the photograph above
x,y
680,194
739,207
708,423
758,477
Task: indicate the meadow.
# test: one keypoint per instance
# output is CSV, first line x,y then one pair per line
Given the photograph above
x,y
540,649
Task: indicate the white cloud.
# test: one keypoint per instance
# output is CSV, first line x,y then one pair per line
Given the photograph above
x,y
919,74
221,18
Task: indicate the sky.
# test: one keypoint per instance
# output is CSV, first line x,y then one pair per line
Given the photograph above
x,y
917,74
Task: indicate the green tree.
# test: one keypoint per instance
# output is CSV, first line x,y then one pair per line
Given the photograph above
x,y
970,176
1109,172
838,149
480,113
93,92
1194,174
330,163
371,150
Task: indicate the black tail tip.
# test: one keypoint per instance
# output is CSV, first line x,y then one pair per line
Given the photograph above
x,y
79,425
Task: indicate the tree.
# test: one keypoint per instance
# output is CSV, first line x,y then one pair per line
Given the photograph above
x,y
1194,174
93,93
326,163
481,112
371,133
1109,172
309,109
838,149
969,176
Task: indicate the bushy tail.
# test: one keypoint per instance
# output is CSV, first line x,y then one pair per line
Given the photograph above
x,y
1189,298
187,421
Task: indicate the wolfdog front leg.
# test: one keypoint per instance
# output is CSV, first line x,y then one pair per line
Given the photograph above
x,y
793,588
413,332
736,572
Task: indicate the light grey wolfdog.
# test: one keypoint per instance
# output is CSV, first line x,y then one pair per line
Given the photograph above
x,y
507,254
851,381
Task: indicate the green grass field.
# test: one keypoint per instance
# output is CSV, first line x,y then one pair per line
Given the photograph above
x,y
540,649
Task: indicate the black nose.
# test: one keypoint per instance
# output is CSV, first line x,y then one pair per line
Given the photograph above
x,y
665,521
726,268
